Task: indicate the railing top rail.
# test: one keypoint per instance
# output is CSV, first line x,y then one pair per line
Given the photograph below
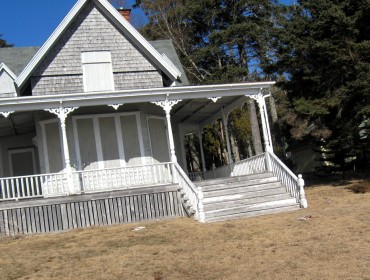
x,y
283,165
124,167
32,176
250,158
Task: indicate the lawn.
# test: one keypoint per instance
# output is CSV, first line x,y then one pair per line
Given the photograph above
x,y
332,243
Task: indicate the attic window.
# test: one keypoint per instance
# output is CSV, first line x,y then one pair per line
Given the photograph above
x,y
97,71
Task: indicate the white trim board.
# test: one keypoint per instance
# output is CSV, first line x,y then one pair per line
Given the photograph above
x,y
32,103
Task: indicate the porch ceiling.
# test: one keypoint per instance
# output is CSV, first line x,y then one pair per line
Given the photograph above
x,y
17,124
203,110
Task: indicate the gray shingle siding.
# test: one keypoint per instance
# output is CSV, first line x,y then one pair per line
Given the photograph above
x,y
92,31
56,84
137,80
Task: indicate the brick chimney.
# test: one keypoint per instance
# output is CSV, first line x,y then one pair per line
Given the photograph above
x,y
125,13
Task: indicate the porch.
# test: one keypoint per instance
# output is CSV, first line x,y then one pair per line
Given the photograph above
x,y
41,203
111,142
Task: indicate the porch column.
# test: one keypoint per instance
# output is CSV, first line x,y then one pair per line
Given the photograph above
x,y
200,136
260,98
62,114
167,106
224,121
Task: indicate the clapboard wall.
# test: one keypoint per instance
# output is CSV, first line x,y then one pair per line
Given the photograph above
x,y
80,211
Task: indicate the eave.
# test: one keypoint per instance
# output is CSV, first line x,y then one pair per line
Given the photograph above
x,y
33,103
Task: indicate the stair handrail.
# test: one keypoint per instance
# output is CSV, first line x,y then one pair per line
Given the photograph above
x,y
194,194
251,165
293,184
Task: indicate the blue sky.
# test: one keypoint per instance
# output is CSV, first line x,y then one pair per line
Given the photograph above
x,y
30,22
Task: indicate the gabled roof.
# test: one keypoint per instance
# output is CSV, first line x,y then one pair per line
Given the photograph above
x,y
166,47
168,68
5,68
17,58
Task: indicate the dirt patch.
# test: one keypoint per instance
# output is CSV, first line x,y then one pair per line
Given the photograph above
x,y
332,242
360,187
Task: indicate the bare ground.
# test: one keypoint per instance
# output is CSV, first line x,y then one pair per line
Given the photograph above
x,y
334,243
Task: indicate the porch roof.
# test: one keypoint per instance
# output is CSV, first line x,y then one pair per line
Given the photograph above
x,y
196,106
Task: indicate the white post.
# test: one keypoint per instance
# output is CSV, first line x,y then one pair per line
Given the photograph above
x,y
62,114
167,106
267,121
302,195
200,136
224,121
260,98
201,216
263,112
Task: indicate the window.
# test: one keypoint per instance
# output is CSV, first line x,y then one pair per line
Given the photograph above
x,y
97,71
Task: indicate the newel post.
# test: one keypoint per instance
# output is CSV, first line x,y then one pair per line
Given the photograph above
x,y
302,195
201,216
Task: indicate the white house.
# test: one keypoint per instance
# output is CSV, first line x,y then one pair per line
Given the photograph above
x,y
92,128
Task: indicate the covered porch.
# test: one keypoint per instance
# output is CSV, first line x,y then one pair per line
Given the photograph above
x,y
99,142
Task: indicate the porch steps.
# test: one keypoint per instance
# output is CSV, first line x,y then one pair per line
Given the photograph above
x,y
245,196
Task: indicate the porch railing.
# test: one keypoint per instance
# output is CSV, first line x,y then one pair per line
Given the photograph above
x,y
32,186
293,184
56,184
252,165
124,177
194,195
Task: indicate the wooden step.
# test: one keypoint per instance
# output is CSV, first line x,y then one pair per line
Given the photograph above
x,y
237,184
251,209
233,179
241,190
253,213
226,204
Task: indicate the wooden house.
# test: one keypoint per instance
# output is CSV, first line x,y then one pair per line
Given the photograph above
x,y
92,126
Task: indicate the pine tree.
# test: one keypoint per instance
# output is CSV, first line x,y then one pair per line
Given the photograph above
x,y
322,51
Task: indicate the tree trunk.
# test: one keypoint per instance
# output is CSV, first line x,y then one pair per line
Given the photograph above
x,y
256,134
234,147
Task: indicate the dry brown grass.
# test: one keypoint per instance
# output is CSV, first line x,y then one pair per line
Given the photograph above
x,y
333,244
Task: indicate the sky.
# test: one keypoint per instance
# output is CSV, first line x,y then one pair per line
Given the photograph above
x,y
30,22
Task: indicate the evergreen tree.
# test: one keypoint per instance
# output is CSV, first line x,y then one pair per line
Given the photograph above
x,y
322,53
218,41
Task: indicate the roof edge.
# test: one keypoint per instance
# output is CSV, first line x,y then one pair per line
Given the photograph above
x,y
7,70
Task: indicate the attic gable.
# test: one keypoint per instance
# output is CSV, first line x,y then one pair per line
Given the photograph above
x,y
7,78
94,25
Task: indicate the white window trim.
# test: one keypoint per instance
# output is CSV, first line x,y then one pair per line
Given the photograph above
x,y
45,142
22,150
95,118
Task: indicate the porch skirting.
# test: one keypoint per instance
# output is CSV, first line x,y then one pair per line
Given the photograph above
x,y
85,210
